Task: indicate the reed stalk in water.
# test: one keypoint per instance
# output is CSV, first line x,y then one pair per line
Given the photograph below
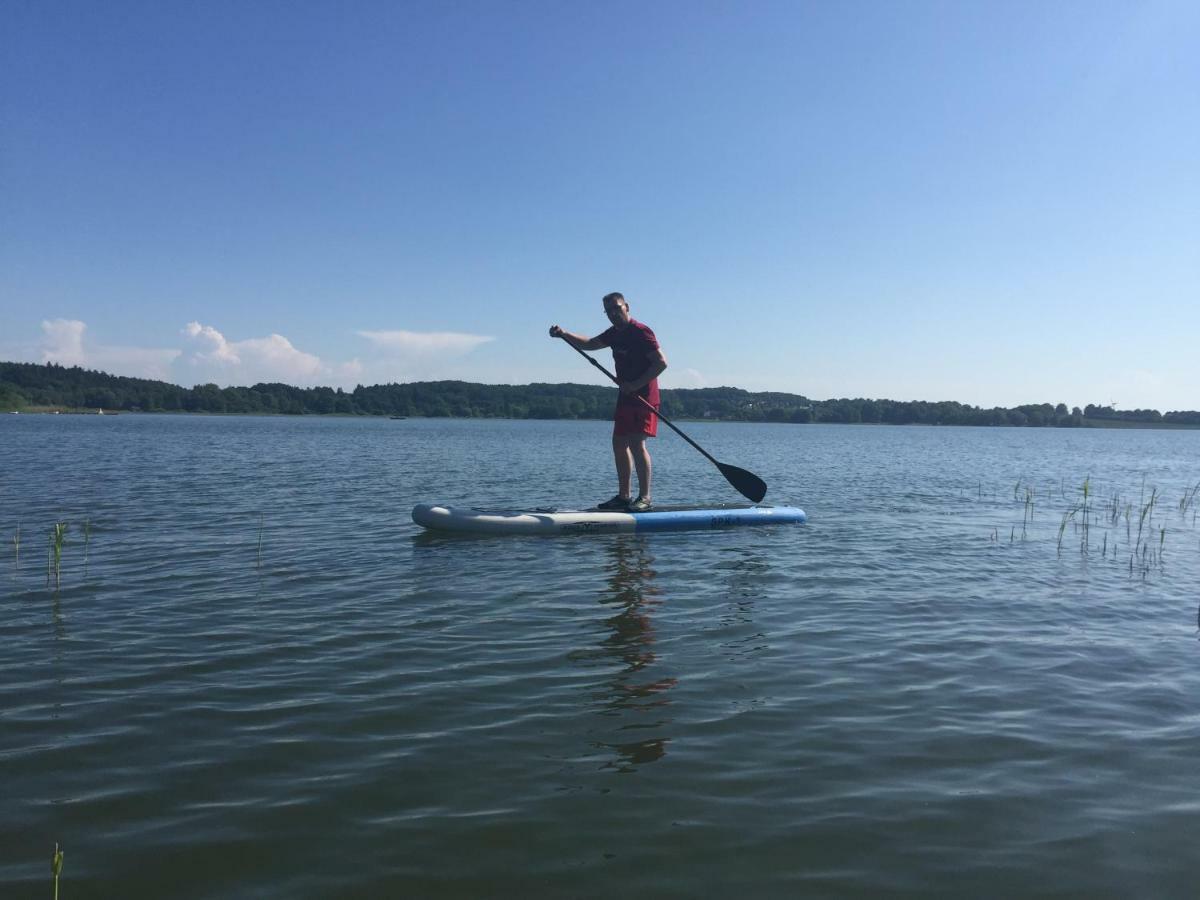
x,y
1083,544
1147,516
1067,517
56,863
58,537
260,531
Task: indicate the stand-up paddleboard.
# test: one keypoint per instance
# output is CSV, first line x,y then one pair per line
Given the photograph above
x,y
595,521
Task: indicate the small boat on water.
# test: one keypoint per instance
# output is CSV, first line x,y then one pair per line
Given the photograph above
x,y
397,417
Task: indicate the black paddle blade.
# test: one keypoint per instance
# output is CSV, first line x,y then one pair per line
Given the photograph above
x,y
748,484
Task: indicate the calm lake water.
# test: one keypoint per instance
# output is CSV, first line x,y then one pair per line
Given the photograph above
x,y
922,691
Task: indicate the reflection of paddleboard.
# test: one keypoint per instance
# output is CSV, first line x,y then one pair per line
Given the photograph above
x,y
564,521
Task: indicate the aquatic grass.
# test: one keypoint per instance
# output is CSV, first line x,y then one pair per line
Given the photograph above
x,y
1085,541
1080,515
1096,506
1189,502
1114,509
58,538
56,864
1147,515
1067,517
17,547
260,535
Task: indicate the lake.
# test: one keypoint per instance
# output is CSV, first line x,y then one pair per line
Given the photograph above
x,y
257,678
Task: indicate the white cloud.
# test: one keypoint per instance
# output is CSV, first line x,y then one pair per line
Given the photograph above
x,y
210,356
412,343
65,342
400,355
221,351
273,358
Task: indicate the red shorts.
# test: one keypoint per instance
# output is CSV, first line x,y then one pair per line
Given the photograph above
x,y
639,419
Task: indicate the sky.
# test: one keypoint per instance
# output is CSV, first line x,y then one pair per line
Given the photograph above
x,y
994,203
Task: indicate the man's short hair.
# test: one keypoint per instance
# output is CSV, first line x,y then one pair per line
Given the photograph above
x,y
616,297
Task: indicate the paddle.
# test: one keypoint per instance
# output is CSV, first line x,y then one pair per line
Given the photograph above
x,y
748,484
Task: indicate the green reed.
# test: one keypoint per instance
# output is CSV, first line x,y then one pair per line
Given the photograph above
x,y
1147,515
58,539
1093,507
1189,501
56,864
1114,509
1085,541
1062,527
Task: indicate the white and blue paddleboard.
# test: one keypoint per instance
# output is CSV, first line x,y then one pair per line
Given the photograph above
x,y
596,521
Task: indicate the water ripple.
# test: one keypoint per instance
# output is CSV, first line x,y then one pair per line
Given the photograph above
x,y
265,681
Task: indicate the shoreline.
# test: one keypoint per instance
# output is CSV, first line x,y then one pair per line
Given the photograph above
x,y
1110,424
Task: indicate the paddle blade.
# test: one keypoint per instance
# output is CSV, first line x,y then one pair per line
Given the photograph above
x,y
748,484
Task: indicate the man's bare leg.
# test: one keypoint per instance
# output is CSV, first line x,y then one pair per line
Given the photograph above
x,y
641,460
624,460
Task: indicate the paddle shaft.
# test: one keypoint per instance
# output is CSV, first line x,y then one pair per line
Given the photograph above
x,y
648,405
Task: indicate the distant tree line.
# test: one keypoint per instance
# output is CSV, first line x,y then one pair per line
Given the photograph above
x,y
28,385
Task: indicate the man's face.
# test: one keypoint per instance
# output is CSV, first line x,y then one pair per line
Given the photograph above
x,y
617,312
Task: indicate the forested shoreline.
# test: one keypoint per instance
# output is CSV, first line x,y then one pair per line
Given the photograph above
x,y
34,387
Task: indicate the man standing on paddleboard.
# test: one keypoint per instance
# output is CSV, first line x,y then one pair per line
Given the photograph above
x,y
639,361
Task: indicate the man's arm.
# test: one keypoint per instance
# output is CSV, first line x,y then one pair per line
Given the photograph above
x,y
658,365
578,341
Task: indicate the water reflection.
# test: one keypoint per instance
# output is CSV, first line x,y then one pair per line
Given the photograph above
x,y
633,696
746,570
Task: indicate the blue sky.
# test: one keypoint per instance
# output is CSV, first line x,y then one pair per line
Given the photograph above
x,y
992,203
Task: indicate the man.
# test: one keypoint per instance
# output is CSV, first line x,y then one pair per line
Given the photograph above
x,y
639,361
